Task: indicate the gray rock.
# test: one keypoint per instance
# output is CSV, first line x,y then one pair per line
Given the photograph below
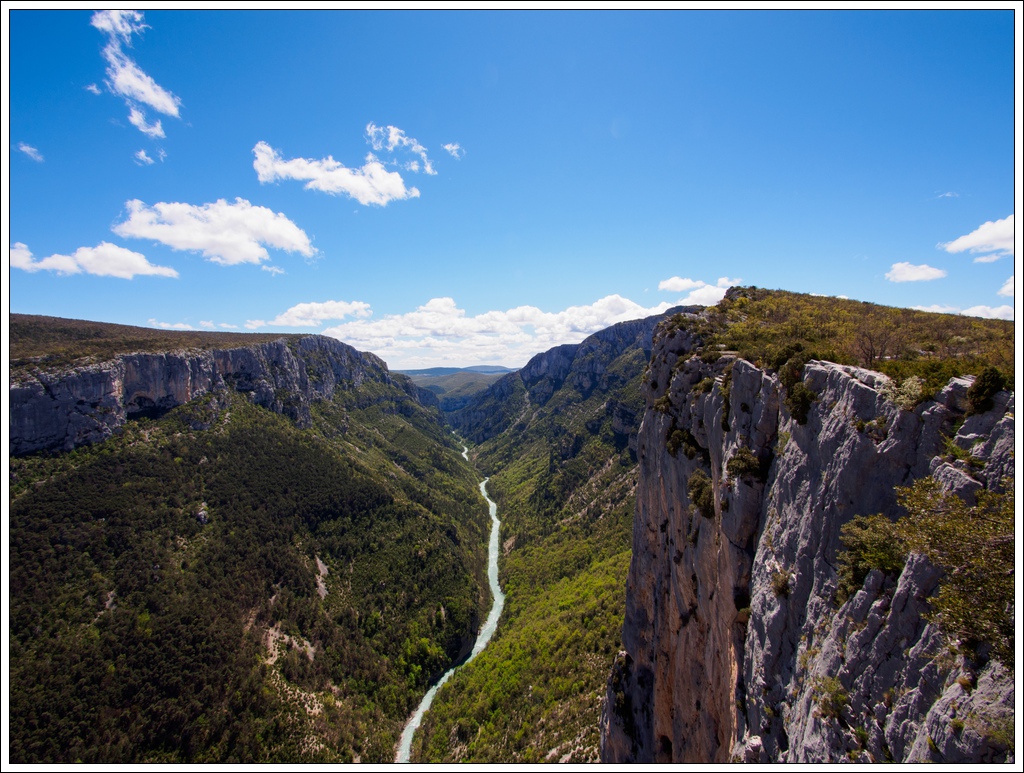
x,y
734,647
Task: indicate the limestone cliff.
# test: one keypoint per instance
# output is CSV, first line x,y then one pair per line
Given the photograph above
x,y
62,409
731,634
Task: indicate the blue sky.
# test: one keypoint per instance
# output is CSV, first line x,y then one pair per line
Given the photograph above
x,y
455,188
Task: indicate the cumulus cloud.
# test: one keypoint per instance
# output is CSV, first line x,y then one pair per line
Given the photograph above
x,y
315,313
369,184
125,78
224,233
440,331
988,312
907,272
1007,288
105,259
142,159
391,137
994,236
700,293
454,149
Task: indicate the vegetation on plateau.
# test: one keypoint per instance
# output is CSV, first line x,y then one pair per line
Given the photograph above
x,y
53,342
782,331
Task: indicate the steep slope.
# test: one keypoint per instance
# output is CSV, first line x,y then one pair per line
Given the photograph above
x,y
735,646
262,553
557,439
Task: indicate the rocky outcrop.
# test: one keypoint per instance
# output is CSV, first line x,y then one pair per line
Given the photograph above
x,y
734,646
60,410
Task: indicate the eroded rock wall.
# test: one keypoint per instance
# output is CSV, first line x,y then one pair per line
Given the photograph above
x,y
731,635
64,409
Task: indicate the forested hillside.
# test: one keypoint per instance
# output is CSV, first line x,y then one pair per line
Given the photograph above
x,y
218,585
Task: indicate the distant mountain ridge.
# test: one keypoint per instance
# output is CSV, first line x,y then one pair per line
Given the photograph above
x,y
450,371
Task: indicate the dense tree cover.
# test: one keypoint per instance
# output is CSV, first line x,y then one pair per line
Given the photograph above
x,y
150,576
972,543
52,342
564,478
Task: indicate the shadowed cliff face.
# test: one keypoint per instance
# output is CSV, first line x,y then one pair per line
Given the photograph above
x,y
61,410
732,636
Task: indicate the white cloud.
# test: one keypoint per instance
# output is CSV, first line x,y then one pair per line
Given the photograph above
x,y
224,233
907,272
92,88
29,151
105,259
313,314
207,323
392,137
142,159
700,293
125,78
989,312
937,308
369,184
440,331
170,325
122,24
680,285
275,270
1007,288
993,236
989,258
948,195
138,119
454,149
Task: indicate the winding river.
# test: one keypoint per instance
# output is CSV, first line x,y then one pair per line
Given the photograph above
x,y
486,632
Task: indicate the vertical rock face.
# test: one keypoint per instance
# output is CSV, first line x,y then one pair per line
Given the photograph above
x,y
732,638
73,407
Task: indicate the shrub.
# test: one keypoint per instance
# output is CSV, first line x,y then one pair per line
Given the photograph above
x,y
869,542
780,583
744,462
981,392
798,400
702,494
830,696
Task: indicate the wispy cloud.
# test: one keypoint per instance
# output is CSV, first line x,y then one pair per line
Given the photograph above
x,y
125,78
30,151
369,184
994,236
1007,288
224,233
138,119
105,259
142,159
908,272
275,270
92,88
454,149
391,137
948,195
211,325
314,314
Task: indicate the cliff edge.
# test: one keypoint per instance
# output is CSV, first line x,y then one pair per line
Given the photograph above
x,y
735,647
